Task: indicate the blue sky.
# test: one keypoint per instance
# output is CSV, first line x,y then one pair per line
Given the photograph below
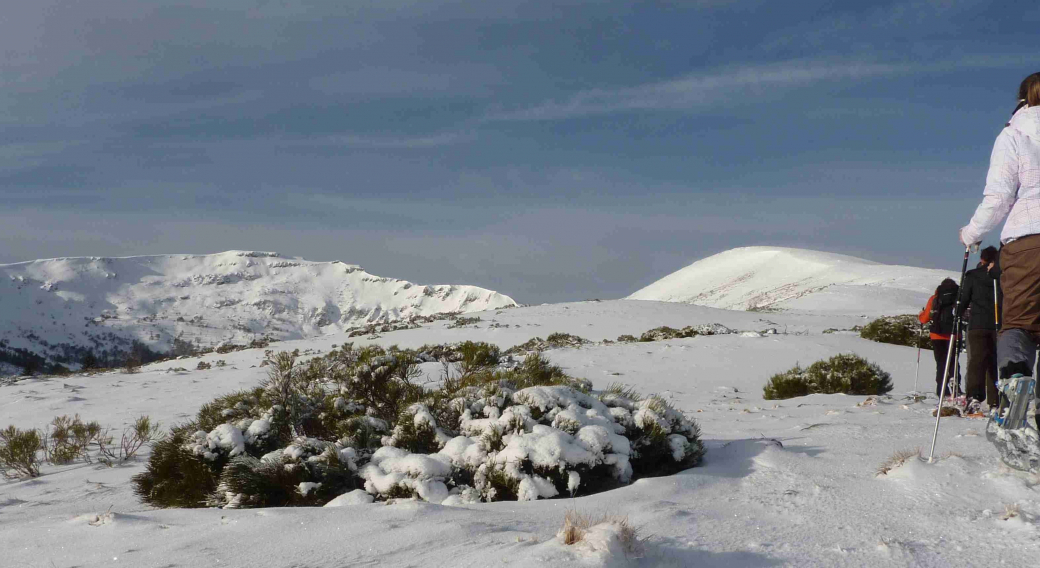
x,y
553,151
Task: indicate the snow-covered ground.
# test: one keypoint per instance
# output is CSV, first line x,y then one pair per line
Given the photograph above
x,y
777,278
233,296
783,483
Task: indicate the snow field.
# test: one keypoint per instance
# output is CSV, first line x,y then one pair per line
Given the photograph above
x,y
788,482
778,278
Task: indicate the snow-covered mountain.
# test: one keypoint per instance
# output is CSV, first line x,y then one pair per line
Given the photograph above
x,y
777,278
206,299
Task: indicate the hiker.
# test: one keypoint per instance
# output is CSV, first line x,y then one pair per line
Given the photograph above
x,y
977,298
939,314
1013,193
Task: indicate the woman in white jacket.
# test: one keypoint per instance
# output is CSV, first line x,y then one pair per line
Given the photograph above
x,y
1013,193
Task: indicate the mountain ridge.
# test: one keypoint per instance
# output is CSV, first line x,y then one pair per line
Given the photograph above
x,y
233,296
765,278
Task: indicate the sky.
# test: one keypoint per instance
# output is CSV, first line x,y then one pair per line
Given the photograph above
x,y
553,151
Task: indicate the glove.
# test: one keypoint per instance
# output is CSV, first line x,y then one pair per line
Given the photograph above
x,y
973,246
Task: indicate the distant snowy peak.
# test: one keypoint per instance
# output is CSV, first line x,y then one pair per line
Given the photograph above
x,y
229,296
777,278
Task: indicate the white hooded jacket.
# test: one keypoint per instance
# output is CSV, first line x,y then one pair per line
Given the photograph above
x,y
1013,183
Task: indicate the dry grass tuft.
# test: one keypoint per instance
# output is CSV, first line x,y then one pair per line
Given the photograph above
x,y
576,525
948,411
1010,511
897,459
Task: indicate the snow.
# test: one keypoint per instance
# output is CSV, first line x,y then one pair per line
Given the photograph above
x,y
228,297
788,482
225,437
392,468
777,278
351,499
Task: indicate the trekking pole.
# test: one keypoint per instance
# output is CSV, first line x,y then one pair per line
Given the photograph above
x,y
949,353
918,373
996,307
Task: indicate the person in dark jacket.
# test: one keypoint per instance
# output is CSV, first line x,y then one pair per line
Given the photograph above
x,y
938,313
979,300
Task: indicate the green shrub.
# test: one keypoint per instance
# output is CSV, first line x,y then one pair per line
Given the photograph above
x,y
474,356
312,474
315,430
554,341
19,452
176,476
384,382
458,322
789,384
845,373
70,438
897,330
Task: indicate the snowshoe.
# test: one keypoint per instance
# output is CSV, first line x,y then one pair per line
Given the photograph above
x,y
1008,430
974,409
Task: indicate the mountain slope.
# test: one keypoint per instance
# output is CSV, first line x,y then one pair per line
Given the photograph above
x,y
206,299
777,278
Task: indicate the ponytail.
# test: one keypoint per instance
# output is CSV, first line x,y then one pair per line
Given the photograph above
x,y
1029,90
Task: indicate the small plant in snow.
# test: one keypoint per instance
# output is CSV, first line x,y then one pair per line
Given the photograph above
x,y
144,431
1010,511
203,366
897,459
70,439
19,451
578,526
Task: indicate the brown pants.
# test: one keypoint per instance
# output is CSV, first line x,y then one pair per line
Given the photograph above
x,y
981,382
1020,283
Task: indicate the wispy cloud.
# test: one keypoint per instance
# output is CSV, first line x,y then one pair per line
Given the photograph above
x,y
698,90
433,140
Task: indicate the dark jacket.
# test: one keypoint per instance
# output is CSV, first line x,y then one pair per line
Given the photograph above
x,y
977,294
940,308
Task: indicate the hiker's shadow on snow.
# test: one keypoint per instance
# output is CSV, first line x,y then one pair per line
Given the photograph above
x,y
668,552
738,458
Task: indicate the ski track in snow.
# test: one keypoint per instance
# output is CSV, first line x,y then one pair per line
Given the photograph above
x,y
784,483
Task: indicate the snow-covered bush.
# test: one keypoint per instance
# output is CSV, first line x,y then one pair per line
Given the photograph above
x,y
355,417
469,355
897,330
396,473
665,332
844,373
307,472
556,340
175,475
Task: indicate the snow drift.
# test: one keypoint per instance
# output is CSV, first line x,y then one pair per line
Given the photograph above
x,y
777,278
